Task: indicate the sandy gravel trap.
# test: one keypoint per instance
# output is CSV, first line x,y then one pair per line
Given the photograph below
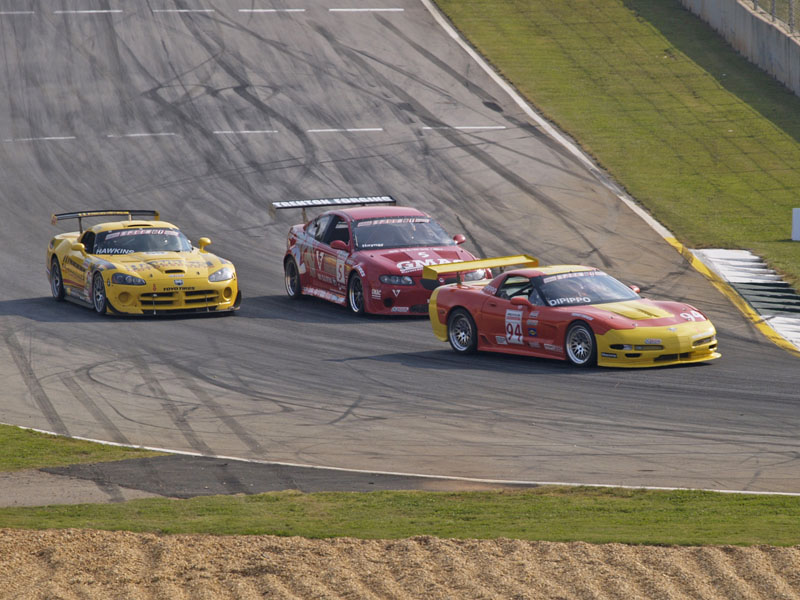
x,y
74,563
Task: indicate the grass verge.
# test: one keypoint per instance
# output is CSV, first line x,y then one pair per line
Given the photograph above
x,y
26,449
597,515
703,139
551,513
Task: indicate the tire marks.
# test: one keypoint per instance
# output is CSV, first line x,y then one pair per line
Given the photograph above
x,y
35,388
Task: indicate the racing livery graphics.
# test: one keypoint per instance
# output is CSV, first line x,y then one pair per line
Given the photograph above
x,y
138,267
368,258
568,312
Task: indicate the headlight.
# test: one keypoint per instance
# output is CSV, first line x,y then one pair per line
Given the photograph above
x,y
474,275
126,279
396,279
223,274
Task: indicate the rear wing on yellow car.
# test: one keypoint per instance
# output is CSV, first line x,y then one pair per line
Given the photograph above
x,y
103,213
432,272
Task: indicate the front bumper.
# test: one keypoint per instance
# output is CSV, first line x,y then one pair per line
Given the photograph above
x,y
691,342
168,298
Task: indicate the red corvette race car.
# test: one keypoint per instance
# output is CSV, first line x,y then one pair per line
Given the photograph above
x,y
369,257
569,312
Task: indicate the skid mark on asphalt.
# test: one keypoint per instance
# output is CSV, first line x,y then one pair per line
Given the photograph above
x,y
41,398
81,396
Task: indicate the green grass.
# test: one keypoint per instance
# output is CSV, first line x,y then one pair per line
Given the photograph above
x,y
596,515
707,142
548,513
25,449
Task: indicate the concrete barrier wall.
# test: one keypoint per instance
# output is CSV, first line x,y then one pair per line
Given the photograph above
x,y
754,35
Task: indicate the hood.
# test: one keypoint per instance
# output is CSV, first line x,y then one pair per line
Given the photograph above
x,y
410,261
635,310
190,264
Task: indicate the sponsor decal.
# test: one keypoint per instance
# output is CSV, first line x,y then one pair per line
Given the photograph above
x,y
533,322
176,289
400,309
489,289
532,332
534,313
178,282
396,293
114,251
608,355
534,344
571,275
324,294
672,329
514,326
333,201
500,340
376,293
553,348
360,270
583,316
319,257
570,300
652,340
409,266
73,263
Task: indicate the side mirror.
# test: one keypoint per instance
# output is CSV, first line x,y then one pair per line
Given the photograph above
x,y
78,247
339,245
203,242
635,288
520,301
459,238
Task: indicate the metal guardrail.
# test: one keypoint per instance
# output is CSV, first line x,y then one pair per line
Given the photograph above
x,y
779,10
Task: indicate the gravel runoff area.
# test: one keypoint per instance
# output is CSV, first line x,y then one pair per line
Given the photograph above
x,y
85,564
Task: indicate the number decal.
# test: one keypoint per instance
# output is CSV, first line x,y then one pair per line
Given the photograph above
x,y
693,316
340,271
514,326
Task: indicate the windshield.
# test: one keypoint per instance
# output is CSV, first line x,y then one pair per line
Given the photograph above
x,y
400,232
128,241
583,287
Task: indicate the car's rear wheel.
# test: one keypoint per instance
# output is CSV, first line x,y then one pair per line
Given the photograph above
x,y
462,332
56,280
99,297
294,289
355,295
580,345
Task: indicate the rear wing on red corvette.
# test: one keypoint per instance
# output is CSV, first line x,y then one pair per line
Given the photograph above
x,y
433,272
103,213
354,201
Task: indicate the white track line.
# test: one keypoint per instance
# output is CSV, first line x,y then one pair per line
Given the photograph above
x,y
401,474
271,10
467,127
183,10
85,12
348,130
16,12
140,135
243,131
42,139
366,9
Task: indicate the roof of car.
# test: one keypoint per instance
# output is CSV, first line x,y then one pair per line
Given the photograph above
x,y
552,270
381,212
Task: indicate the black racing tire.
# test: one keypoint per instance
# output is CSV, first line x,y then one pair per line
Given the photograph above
x,y
294,288
56,280
355,295
580,345
99,297
462,333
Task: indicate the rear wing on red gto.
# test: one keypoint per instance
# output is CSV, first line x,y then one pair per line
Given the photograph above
x,y
432,272
103,213
354,201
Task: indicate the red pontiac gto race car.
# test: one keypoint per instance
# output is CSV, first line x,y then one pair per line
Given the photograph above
x,y
370,257
570,312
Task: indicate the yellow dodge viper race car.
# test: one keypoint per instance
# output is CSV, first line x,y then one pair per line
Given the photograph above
x,y
568,312
138,267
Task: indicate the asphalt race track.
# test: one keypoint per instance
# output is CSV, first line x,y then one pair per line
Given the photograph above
x,y
208,112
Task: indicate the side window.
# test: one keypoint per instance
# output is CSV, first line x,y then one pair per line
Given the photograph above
x,y
87,239
338,230
514,285
322,227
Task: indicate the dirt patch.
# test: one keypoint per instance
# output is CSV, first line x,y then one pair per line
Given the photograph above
x,y
99,564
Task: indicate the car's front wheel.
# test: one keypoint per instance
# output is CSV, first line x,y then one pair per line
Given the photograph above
x,y
294,288
99,298
462,332
580,345
56,280
355,295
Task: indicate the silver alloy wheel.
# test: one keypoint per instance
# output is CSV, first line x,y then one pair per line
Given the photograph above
x,y
579,344
355,294
56,281
292,279
461,332
99,294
